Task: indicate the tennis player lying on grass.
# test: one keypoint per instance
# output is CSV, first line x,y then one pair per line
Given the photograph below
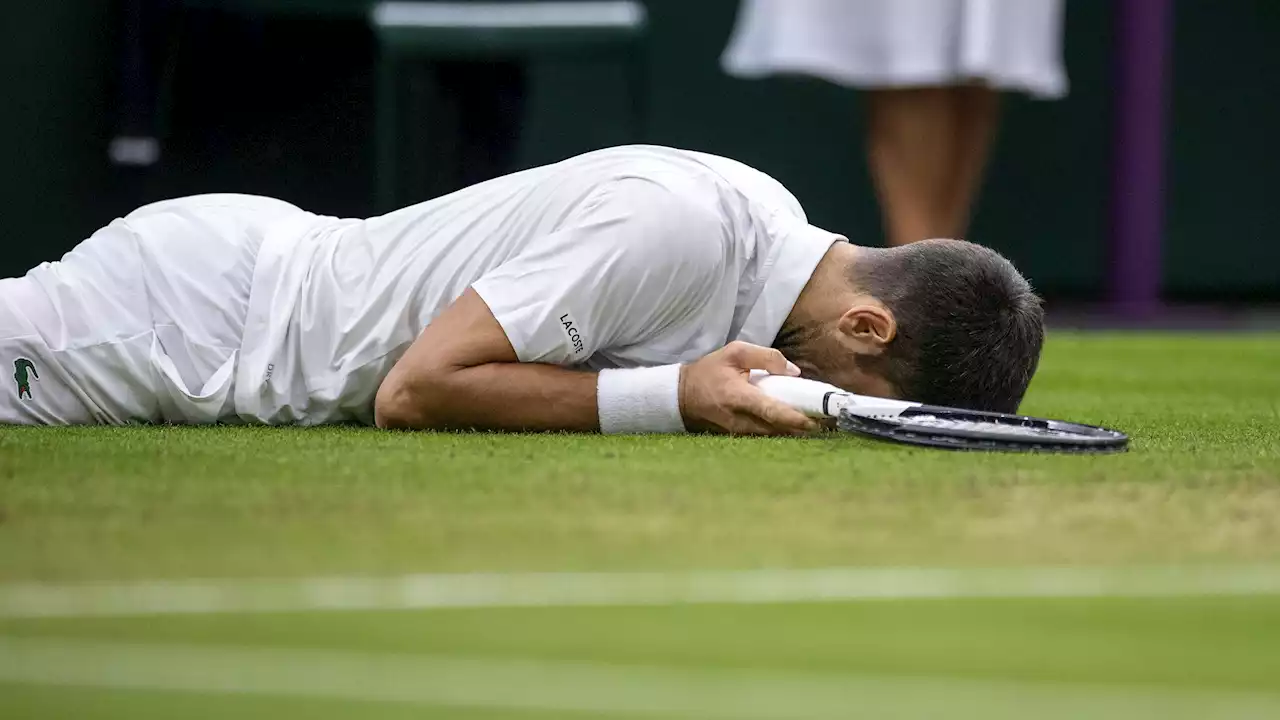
x,y
626,290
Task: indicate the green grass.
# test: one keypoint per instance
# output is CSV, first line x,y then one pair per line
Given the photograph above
x,y
1200,486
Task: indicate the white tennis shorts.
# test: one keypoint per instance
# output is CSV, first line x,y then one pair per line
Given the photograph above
x,y
142,322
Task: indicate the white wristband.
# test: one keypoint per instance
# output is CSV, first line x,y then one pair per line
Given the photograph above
x,y
639,400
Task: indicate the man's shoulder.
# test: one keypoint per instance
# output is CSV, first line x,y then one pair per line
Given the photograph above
x,y
675,156
758,186
704,176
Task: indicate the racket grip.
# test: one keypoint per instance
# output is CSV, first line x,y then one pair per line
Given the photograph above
x,y
807,396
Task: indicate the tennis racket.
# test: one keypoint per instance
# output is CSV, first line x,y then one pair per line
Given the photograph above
x,y
934,426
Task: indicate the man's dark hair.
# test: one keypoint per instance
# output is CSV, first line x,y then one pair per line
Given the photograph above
x,y
969,327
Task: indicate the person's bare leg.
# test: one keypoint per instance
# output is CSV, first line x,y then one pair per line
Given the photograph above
x,y
977,113
911,146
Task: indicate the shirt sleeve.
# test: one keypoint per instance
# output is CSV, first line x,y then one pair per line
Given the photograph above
x,y
638,260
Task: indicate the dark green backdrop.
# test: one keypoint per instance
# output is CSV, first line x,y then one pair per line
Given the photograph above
x,y
280,105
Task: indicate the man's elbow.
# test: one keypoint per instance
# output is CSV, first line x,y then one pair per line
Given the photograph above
x,y
401,405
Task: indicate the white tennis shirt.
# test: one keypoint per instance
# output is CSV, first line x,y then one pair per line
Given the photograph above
x,y
627,257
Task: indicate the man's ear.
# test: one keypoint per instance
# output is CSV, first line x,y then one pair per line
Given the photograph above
x,y
869,324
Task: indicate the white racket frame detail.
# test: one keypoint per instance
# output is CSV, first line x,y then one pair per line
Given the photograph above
x,y
820,400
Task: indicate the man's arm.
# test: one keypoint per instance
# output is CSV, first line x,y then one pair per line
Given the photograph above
x,y
462,373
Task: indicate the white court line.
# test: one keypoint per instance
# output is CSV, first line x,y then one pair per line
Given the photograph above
x,y
563,687
409,592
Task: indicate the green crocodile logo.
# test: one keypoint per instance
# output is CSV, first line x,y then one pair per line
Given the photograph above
x,y
23,371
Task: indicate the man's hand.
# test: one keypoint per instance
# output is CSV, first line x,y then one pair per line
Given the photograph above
x,y
717,396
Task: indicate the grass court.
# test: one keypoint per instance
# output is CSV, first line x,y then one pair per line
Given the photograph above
x,y
341,572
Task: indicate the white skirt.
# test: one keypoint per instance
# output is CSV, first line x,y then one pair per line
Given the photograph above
x,y
1007,44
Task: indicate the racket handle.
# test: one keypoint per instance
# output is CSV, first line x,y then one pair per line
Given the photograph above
x,y
808,396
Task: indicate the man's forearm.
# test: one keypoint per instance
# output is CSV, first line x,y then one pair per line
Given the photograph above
x,y
462,373
494,396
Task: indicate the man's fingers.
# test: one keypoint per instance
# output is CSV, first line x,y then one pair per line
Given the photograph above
x,y
745,423
784,419
793,421
746,356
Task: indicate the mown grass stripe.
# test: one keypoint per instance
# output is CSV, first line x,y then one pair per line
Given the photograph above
x,y
649,691
29,600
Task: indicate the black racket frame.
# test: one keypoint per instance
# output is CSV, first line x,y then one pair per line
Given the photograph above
x,y
1081,439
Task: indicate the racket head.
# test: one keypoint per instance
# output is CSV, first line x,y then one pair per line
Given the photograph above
x,y
973,430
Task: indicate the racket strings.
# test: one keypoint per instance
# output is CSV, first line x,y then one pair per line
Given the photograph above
x,y
933,422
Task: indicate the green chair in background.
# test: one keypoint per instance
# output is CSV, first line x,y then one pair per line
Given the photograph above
x,y
478,31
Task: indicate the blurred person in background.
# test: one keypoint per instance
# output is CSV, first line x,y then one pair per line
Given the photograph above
x,y
933,69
